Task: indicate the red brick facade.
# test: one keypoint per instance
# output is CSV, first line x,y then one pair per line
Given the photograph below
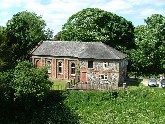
x,y
55,70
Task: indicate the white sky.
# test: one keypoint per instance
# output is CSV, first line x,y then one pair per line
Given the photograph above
x,y
56,12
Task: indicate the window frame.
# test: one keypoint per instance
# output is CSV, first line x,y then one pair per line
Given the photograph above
x,y
49,66
58,67
72,68
105,77
105,63
90,64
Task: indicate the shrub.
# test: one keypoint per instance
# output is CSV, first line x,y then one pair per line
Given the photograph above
x,y
29,81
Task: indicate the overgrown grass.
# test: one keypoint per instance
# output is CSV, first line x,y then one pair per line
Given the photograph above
x,y
141,106
59,85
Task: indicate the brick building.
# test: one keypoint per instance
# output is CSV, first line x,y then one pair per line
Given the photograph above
x,y
91,61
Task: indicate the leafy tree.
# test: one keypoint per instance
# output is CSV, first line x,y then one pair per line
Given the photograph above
x,y
24,81
24,31
57,37
148,57
2,38
93,24
28,80
6,91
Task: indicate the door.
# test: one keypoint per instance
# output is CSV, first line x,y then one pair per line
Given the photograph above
x,y
83,77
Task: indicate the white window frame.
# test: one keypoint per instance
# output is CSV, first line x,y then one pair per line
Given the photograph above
x,y
49,64
60,66
105,64
103,77
73,67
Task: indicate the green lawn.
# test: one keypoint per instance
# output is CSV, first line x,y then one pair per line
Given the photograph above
x,y
59,85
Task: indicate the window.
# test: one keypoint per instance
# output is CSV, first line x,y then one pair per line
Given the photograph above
x,y
103,77
48,63
37,63
105,64
59,67
73,68
90,64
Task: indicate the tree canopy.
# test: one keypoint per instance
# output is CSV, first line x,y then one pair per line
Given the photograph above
x,y
93,24
2,46
148,57
24,31
21,34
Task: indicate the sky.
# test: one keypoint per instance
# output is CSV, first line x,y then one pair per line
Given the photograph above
x,y
56,12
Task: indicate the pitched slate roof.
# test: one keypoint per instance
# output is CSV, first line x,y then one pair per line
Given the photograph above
x,y
95,50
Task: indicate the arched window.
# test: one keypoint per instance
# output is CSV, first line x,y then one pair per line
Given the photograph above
x,y
73,68
48,63
37,63
59,67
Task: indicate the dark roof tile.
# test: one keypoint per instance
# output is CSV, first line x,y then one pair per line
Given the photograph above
x,y
95,50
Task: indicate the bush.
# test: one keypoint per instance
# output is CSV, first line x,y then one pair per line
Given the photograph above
x,y
24,82
30,81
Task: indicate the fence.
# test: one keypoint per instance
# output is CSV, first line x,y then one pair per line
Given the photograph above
x,y
72,85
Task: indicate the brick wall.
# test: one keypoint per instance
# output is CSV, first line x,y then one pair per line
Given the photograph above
x,y
53,70
111,70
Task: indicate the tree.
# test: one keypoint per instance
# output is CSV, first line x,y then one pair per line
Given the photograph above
x,y
5,51
25,81
24,31
2,37
148,57
93,24
57,37
28,80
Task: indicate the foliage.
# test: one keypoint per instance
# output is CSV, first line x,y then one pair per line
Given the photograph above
x,y
57,36
24,31
4,49
51,110
59,85
142,105
28,80
139,105
24,81
148,57
6,92
93,24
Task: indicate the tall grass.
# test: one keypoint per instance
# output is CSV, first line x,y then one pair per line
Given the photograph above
x,y
140,106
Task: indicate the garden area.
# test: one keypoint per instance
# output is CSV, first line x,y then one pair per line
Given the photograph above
x,y
134,105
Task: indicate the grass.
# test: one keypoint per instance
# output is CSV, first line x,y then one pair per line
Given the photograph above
x,y
143,105
134,86
59,85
